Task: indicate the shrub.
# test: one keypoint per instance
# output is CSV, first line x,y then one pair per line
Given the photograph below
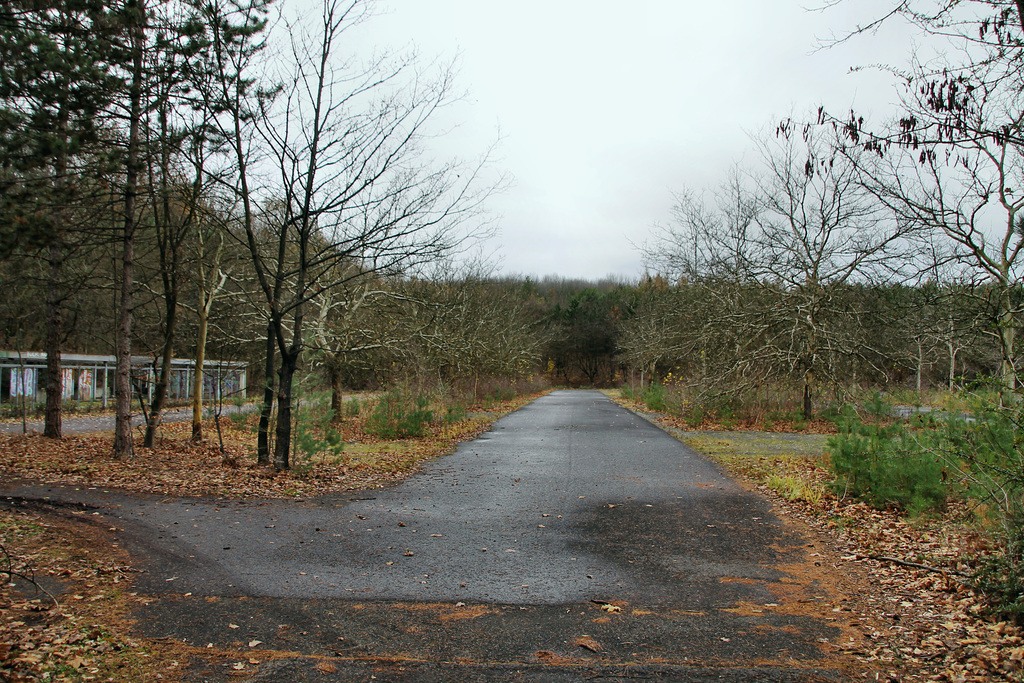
x,y
352,408
654,397
239,418
313,435
982,458
989,451
502,393
878,406
397,416
886,467
455,413
329,445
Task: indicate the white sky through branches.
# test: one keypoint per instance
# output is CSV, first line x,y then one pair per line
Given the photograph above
x,y
605,108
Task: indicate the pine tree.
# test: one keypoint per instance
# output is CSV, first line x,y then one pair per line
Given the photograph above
x,y
54,81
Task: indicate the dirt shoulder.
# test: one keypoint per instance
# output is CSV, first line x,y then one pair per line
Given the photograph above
x,y
67,602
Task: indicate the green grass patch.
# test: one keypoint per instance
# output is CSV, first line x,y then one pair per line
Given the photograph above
x,y
760,456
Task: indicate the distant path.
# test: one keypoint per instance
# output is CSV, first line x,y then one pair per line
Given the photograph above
x,y
87,424
573,540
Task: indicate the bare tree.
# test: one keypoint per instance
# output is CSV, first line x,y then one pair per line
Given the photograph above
x,y
233,94
800,228
953,162
351,185
211,276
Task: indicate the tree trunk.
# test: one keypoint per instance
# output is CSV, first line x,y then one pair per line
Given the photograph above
x,y
197,377
952,367
54,331
337,393
52,427
123,447
160,393
283,440
1007,342
920,366
169,237
808,405
263,436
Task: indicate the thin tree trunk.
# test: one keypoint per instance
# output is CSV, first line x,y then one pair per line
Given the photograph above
x,y
170,245
263,435
52,427
54,332
123,447
283,439
920,368
160,393
337,393
197,377
808,404
952,366
1007,342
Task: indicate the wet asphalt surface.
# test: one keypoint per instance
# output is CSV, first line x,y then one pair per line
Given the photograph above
x,y
498,562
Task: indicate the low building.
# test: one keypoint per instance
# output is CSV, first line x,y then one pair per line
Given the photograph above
x,y
88,378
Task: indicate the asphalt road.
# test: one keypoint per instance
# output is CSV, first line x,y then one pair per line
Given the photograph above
x,y
103,422
574,539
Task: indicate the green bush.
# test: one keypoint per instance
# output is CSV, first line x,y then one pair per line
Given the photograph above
x,y
503,393
990,452
878,406
455,413
654,397
917,467
396,416
1001,577
239,418
313,436
887,467
694,416
352,408
313,440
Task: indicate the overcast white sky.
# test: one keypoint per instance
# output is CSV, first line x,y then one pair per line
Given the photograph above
x,y
605,108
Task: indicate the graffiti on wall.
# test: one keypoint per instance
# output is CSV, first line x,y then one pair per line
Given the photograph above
x,y
23,382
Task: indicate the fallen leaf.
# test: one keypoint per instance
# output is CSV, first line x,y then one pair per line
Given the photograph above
x,y
588,643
